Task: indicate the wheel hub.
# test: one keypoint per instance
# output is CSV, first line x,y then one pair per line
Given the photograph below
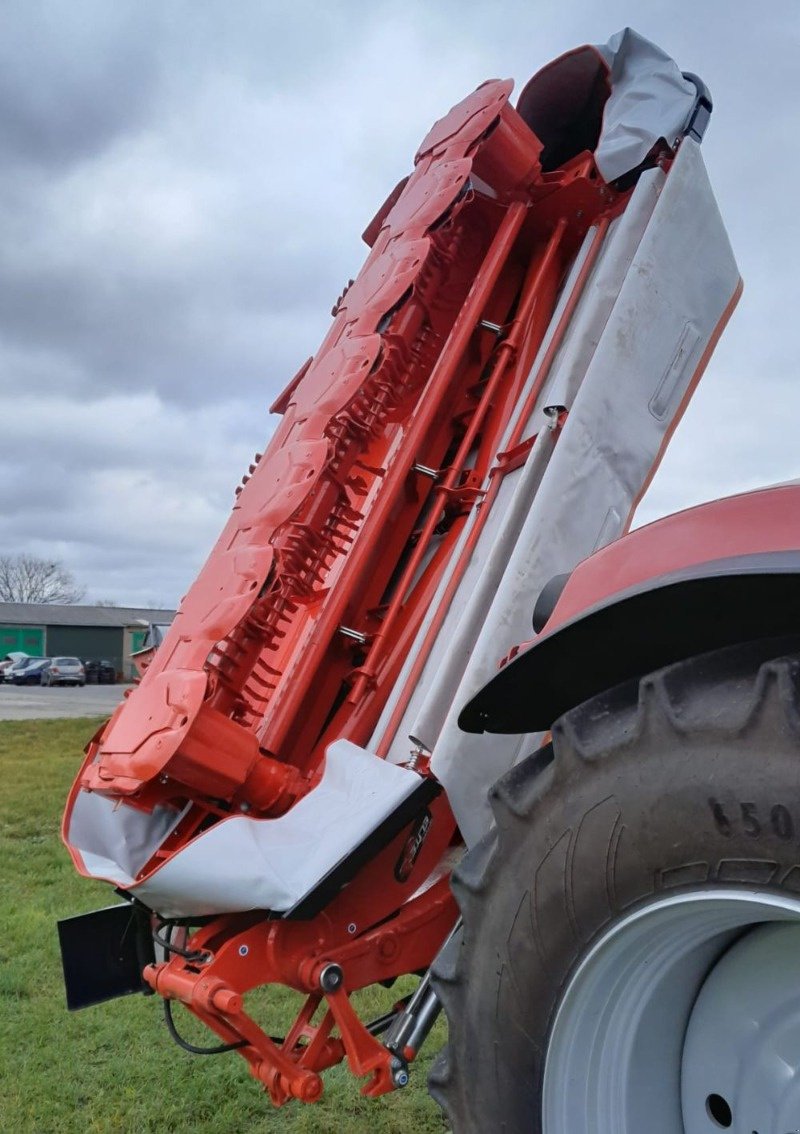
x,y
741,1058
684,1018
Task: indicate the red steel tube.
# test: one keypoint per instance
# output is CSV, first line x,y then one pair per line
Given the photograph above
x,y
494,484
426,409
505,352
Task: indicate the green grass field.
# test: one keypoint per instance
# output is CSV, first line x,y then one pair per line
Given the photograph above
x,y
113,1067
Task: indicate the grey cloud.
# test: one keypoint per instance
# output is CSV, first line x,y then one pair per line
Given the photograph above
x,y
182,195
95,499
72,78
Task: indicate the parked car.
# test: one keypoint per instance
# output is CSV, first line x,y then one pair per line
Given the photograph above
x,y
10,659
30,671
65,671
17,667
100,672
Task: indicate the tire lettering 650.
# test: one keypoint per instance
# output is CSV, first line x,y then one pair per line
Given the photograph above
x,y
752,820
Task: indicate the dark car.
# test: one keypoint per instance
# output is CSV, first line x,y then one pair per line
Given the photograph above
x,y
30,672
100,672
16,667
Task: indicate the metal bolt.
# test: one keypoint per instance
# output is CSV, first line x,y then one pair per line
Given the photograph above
x,y
399,1070
552,413
356,635
331,978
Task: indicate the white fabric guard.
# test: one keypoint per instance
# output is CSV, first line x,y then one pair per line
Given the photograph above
x,y
243,863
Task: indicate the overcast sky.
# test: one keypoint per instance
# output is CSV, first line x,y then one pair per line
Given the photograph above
x,y
182,190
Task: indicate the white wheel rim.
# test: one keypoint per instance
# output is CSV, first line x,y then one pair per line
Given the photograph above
x,y
684,1018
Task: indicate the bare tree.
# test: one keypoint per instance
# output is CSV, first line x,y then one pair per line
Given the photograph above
x,y
24,578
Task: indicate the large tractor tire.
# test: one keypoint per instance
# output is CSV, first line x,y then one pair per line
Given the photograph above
x,y
630,957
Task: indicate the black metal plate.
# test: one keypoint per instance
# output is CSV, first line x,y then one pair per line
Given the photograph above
x,y
337,878
103,954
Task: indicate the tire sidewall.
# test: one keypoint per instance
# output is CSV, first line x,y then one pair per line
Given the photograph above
x,y
609,829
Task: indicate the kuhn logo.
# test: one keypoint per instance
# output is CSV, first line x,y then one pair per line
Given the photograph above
x,y
412,846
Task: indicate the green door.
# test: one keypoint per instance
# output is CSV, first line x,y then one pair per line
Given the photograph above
x,y
26,639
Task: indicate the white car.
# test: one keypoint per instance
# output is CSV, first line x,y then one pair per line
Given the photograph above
x,y
65,671
8,661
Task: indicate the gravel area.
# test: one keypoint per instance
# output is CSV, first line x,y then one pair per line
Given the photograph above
x,y
35,702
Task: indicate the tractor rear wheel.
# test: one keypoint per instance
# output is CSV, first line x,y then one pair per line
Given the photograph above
x,y
630,958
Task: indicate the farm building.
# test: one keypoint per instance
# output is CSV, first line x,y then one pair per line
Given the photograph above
x,y
101,632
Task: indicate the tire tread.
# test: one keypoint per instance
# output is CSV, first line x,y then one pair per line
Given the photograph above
x,y
738,692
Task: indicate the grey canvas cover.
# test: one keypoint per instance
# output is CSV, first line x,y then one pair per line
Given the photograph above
x,y
650,99
616,100
660,291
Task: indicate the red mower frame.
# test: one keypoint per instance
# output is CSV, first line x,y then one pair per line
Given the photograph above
x,y
296,629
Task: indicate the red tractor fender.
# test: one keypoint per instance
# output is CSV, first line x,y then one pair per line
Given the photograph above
x,y
702,579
